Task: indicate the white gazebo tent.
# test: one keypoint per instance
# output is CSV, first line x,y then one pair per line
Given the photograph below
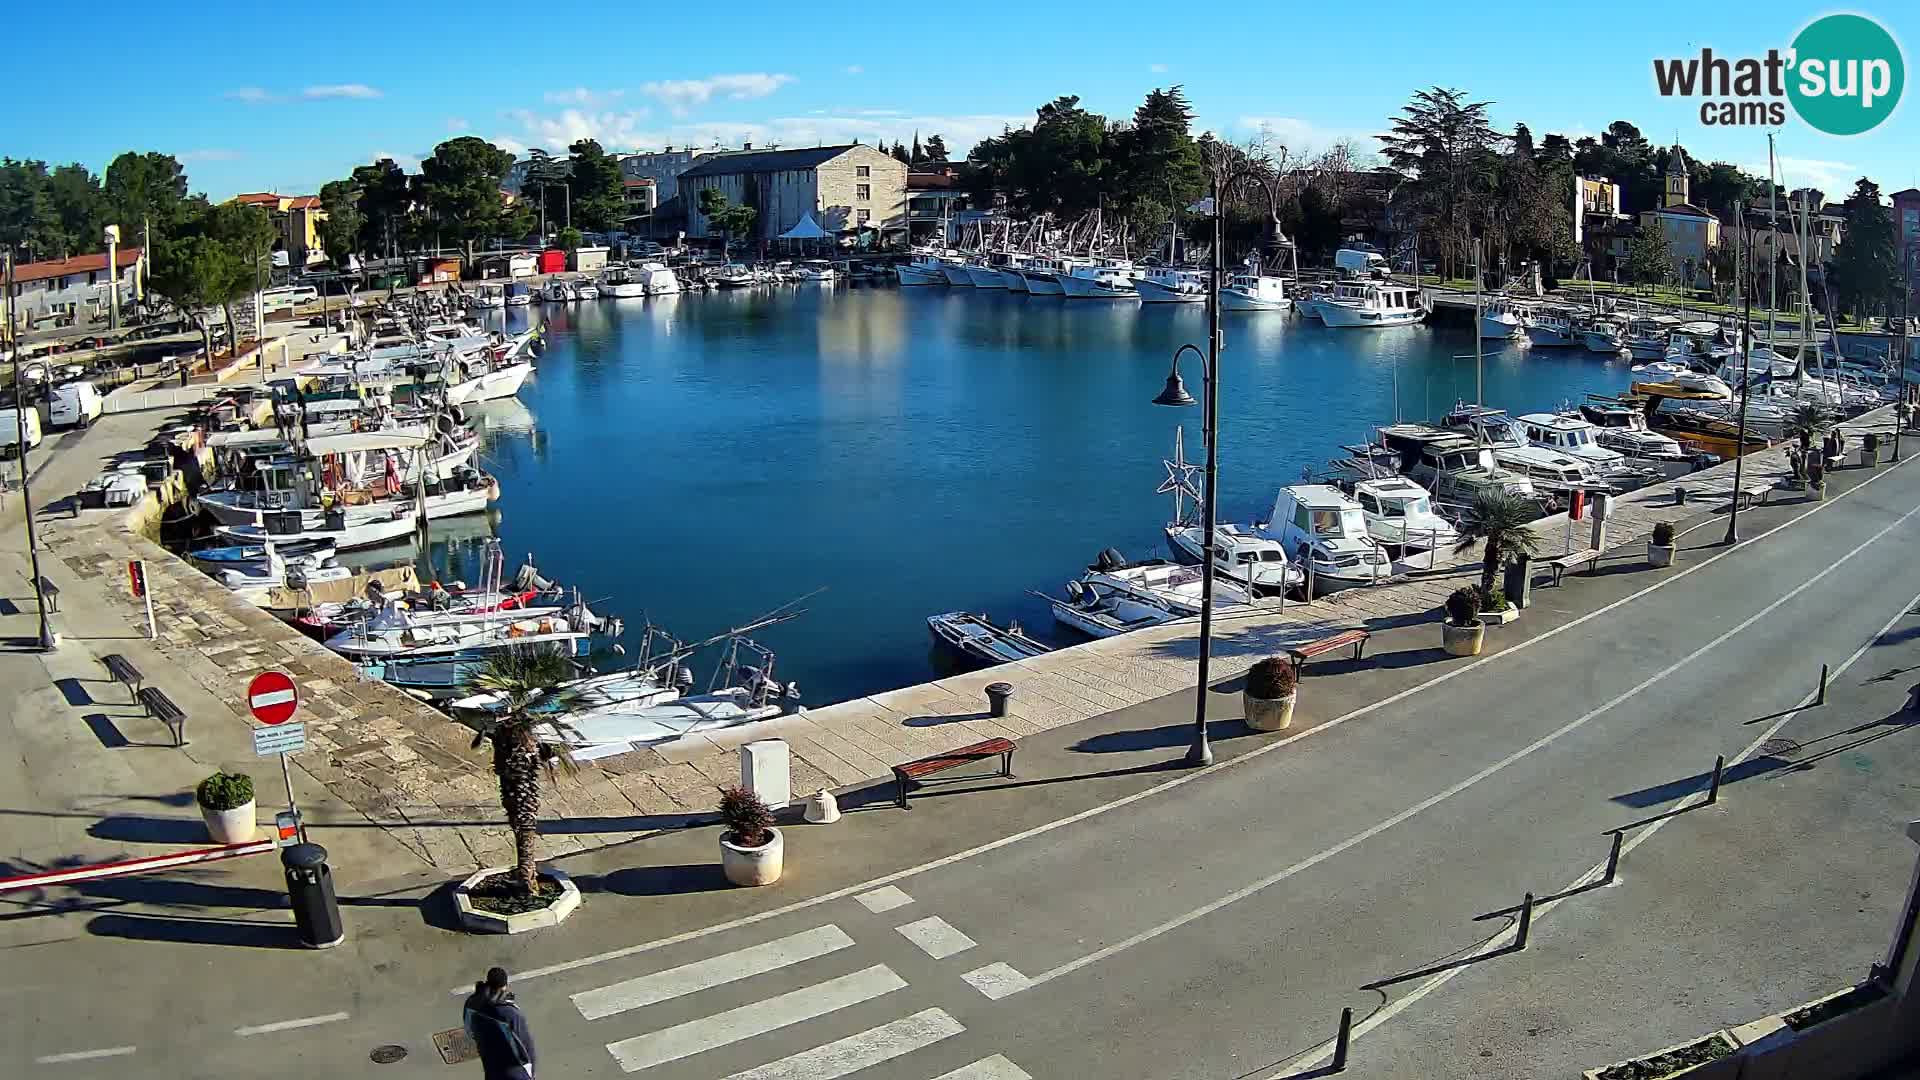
x,y
804,229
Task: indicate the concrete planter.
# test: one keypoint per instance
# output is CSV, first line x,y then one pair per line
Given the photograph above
x,y
1855,1042
1659,555
753,865
1869,459
1500,618
1725,1067
488,922
1463,640
235,826
1268,714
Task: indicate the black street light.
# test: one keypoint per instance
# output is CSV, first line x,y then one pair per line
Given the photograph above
x,y
1900,348
1746,374
20,430
1175,394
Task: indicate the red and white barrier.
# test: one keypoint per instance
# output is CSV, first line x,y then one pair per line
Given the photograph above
x,y
134,866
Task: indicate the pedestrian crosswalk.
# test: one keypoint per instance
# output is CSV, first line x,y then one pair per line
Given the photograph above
x,y
703,984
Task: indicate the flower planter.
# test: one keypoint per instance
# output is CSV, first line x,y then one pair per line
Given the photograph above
x,y
1724,1067
753,865
1500,618
1660,554
235,826
1463,640
479,919
1851,1032
1268,714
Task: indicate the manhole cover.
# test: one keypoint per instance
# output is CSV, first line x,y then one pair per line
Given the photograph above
x,y
454,1046
387,1055
1779,748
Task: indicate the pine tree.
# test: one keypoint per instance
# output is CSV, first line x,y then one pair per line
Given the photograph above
x,y
917,156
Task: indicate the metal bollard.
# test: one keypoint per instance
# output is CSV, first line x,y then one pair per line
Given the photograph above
x,y
1821,699
1679,496
1613,858
1343,1040
997,696
1526,923
1713,790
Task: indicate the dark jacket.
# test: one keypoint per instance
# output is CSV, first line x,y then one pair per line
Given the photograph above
x,y
499,1031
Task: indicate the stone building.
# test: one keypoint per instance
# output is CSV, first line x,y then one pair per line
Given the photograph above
x,y
846,188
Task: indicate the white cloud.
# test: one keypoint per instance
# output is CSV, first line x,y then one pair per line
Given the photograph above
x,y
877,112
457,124
252,95
1157,69
212,154
1834,178
854,69
624,130
1303,136
679,94
409,162
510,145
339,90
582,97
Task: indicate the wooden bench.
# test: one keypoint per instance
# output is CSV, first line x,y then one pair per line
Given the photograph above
x,y
1356,638
122,671
1835,462
161,708
1751,493
1561,564
52,592
952,759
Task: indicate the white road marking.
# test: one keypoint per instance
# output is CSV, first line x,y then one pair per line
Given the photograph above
x,y
714,971
754,1018
289,1025
936,937
1594,873
84,1055
997,981
856,1052
884,899
996,1067
1256,753
1431,801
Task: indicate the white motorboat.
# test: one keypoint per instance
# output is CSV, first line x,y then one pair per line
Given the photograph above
x,y
1704,344
1177,587
585,289
1010,271
815,270
955,269
366,524
557,290
1622,426
1603,336
274,572
1043,273
1499,321
621,283
978,640
1552,471
1246,556
1552,330
734,276
486,297
1325,529
518,295
924,268
1579,439
1451,465
1104,279
1399,513
490,384
984,274
1379,303
397,630
1255,292
1173,285
1101,612
658,279
1648,336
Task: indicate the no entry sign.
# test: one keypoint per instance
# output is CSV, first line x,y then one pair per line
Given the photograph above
x,y
272,697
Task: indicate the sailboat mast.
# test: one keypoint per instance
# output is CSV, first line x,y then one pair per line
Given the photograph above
x,y
1479,383
1773,249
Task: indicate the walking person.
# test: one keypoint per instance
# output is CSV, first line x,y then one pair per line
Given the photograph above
x,y
499,1029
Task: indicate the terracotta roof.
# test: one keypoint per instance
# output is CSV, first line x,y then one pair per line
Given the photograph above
x,y
303,202
79,264
1686,209
258,198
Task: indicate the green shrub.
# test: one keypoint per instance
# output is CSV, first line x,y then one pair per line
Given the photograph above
x,y
225,791
1271,679
1663,535
1492,600
748,821
1463,607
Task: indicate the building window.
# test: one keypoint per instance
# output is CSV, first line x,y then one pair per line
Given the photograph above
x,y
861,217
863,170
863,192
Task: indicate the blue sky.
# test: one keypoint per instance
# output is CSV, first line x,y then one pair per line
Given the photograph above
x,y
258,97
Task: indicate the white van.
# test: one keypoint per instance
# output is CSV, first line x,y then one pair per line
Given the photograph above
x,y
75,404
287,297
10,424
1360,262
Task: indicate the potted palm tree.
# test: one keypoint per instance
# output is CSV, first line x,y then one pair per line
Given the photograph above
x,y
1660,547
1272,686
1499,519
226,805
1463,634
1806,423
522,896
751,850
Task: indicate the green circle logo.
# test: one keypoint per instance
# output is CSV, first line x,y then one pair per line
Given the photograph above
x,y
1847,74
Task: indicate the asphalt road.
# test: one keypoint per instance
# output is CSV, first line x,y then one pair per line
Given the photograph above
x,y
1207,925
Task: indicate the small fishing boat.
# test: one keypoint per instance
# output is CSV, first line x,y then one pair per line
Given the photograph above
x,y
926,267
248,553
557,291
976,638
1173,285
1327,530
1499,321
1379,303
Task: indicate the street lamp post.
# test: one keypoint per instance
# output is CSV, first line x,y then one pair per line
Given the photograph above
x,y
1201,751
1746,373
26,495
1900,348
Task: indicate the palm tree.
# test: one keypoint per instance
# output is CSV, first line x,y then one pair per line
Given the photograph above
x,y
1808,422
519,676
1500,518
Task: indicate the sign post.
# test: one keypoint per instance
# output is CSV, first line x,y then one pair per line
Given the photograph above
x,y
1574,507
273,698
137,581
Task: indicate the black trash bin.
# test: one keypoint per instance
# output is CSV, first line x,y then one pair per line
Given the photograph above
x,y
316,914
997,695
1519,582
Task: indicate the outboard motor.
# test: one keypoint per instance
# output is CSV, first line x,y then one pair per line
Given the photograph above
x,y
1109,560
683,679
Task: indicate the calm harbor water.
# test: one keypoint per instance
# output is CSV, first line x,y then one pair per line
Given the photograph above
x,y
698,460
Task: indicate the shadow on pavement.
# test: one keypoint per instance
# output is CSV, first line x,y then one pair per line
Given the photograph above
x,y
879,795
635,823
75,693
939,719
1160,738
190,931
656,880
140,829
